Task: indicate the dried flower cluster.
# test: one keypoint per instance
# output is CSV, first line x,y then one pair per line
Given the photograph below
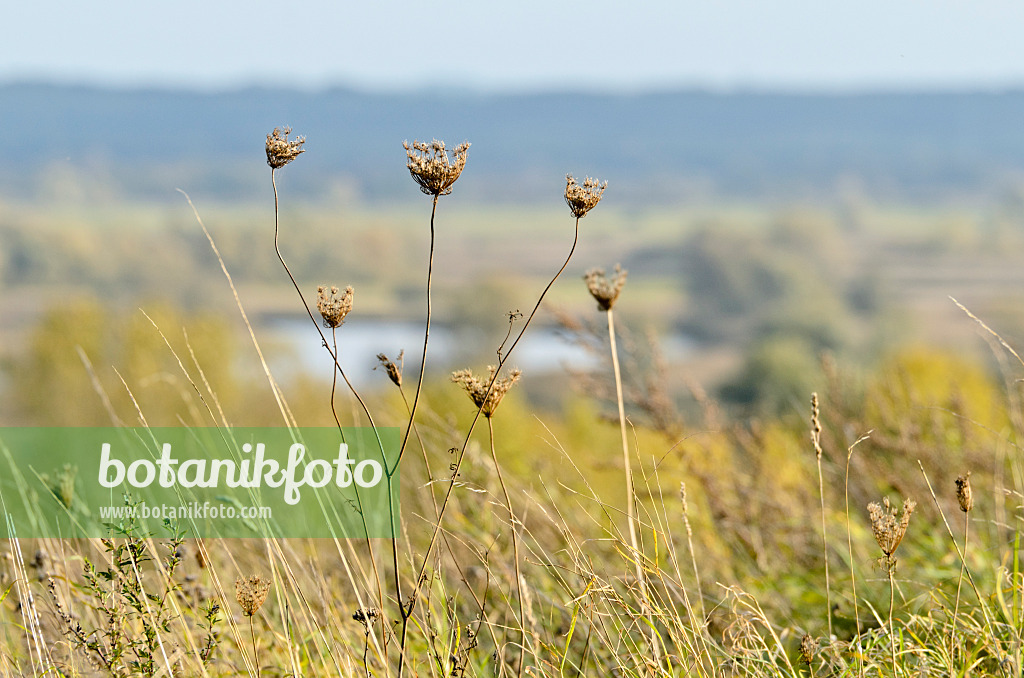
x,y
477,388
281,150
889,529
964,496
604,289
366,615
251,593
394,371
431,168
333,305
582,199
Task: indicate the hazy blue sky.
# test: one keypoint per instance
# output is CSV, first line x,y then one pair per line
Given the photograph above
x,y
519,44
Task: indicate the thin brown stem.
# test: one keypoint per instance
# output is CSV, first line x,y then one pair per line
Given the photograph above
x,y
891,565
515,551
334,380
255,654
426,341
462,453
959,584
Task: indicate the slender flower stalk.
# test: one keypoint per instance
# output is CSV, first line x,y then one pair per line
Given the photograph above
x,y
889,529
579,213
487,394
251,593
280,152
605,291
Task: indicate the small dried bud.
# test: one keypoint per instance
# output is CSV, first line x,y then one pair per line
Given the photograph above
x,y
582,199
605,290
808,648
394,371
477,388
333,306
888,530
281,150
251,593
964,496
431,168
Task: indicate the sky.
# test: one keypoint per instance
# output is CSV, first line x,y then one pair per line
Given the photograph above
x,y
600,45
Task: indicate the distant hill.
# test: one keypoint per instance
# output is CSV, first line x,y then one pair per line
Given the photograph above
x,y
66,142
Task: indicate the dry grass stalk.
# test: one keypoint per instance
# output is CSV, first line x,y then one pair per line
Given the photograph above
x,y
281,150
486,399
605,290
333,305
816,441
431,168
583,198
965,498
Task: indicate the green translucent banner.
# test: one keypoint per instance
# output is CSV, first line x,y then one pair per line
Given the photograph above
x,y
208,482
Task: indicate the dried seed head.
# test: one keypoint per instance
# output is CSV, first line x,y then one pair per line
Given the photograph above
x,y
394,371
333,305
251,593
582,199
605,290
964,496
281,150
366,615
808,647
815,426
431,168
887,528
477,388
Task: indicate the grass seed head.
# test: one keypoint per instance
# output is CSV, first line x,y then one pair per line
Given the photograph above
x,y
477,388
394,371
251,593
808,647
888,528
431,168
964,496
333,305
605,290
583,198
281,150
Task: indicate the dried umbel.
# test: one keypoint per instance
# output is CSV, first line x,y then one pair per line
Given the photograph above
x,y
333,305
281,150
251,593
431,168
394,371
582,199
477,388
605,290
964,496
366,615
888,528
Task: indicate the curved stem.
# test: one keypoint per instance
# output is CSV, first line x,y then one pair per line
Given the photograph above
x,y
362,403
426,340
462,453
515,550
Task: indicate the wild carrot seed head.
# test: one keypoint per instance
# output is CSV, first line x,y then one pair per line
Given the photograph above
x,y
605,290
394,371
889,529
582,199
431,168
476,388
251,593
333,305
281,150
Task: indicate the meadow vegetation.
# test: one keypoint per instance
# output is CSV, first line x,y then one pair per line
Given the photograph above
x,y
829,508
